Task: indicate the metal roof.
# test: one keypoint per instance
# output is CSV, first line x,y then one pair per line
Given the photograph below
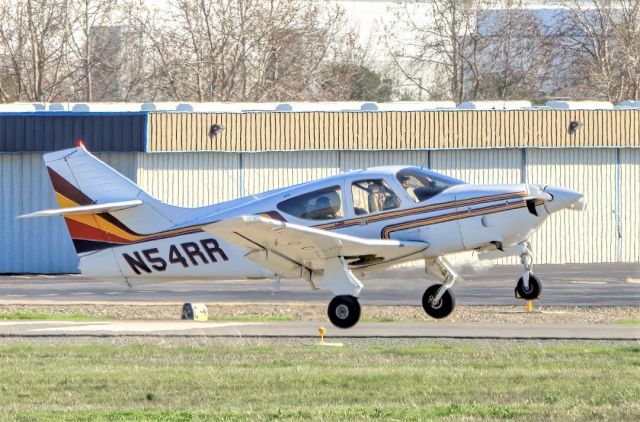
x,y
50,131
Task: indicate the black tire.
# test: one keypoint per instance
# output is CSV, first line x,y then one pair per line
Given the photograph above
x,y
535,288
344,311
443,308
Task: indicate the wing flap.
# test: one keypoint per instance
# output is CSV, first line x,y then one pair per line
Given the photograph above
x,y
307,247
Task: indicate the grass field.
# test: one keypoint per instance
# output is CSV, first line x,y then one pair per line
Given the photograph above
x,y
41,316
276,380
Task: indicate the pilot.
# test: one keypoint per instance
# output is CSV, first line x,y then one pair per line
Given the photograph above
x,y
406,184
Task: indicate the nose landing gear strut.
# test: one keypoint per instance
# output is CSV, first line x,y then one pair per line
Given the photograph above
x,y
529,286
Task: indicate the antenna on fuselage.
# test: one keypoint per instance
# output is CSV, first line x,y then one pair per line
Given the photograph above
x,y
427,163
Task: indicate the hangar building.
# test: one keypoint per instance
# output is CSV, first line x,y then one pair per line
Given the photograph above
x,y
173,156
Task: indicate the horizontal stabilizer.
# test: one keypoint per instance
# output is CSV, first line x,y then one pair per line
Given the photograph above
x,y
85,209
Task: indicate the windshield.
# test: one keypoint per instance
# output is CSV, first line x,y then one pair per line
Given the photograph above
x,y
421,184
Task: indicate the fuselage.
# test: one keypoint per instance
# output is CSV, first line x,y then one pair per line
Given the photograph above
x,y
450,215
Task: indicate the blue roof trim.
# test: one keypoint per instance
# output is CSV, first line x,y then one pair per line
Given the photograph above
x,y
73,113
51,131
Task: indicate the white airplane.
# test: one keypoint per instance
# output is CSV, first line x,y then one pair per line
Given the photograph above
x,y
322,231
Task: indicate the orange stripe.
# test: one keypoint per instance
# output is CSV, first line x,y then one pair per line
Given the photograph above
x,y
79,230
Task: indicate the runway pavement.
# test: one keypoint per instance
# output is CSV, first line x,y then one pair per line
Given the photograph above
x,y
310,330
569,284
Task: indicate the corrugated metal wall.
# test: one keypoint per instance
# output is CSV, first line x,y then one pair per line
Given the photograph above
x,y
38,245
42,132
480,166
190,179
630,205
589,236
389,130
271,170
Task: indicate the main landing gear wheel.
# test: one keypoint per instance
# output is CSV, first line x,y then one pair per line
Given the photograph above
x,y
443,307
344,311
534,290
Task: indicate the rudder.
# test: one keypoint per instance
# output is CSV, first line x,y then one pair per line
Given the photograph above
x,y
79,179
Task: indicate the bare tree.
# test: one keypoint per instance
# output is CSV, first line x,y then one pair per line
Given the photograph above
x,y
94,44
215,50
245,50
512,54
434,42
33,41
601,39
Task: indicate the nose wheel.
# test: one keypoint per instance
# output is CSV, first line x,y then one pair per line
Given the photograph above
x,y
438,308
344,311
530,290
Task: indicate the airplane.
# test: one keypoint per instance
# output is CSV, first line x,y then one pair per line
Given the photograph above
x,y
327,231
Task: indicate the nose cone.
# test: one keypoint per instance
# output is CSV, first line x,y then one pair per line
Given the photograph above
x,y
562,198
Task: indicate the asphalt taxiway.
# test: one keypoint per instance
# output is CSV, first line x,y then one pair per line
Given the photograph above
x,y
300,329
568,284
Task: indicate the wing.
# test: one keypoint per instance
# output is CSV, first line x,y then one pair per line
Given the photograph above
x,y
287,248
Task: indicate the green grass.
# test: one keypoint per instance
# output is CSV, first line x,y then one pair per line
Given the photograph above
x,y
257,381
49,317
627,321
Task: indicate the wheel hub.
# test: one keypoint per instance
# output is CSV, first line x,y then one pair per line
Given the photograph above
x,y
435,305
342,311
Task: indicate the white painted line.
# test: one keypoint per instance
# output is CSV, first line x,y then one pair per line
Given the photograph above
x,y
81,293
24,322
144,327
633,280
589,282
14,295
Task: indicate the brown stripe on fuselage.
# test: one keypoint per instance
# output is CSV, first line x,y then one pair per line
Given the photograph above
x,y
422,209
493,209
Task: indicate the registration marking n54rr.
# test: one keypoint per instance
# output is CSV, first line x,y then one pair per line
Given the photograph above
x,y
186,254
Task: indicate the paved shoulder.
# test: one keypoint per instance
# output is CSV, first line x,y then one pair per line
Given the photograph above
x,y
310,329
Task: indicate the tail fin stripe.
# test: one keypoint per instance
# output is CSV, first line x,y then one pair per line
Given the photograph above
x,y
97,223
83,246
62,186
79,230
96,231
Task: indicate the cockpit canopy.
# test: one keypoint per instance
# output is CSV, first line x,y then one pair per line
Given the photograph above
x,y
422,184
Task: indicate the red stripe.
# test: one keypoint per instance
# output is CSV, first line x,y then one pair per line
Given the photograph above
x,y
79,230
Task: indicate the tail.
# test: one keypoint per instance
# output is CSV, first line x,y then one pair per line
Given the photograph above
x,y
102,208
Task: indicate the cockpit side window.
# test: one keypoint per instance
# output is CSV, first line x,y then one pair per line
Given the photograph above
x,y
323,204
372,196
421,184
